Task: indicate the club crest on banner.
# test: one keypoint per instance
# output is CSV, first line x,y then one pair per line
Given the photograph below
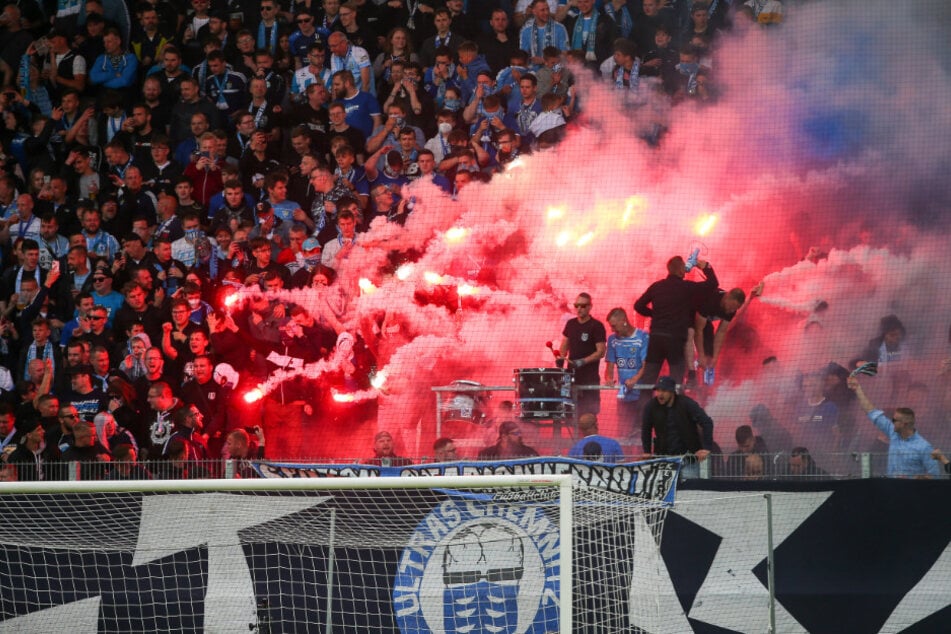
x,y
477,566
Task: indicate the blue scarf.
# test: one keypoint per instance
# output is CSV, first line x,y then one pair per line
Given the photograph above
x,y
549,37
690,71
634,78
267,41
624,22
581,38
31,354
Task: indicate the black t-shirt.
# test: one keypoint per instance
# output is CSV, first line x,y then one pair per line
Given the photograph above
x,y
582,341
710,307
88,405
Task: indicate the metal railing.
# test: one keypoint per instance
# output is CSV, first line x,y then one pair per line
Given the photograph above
x,y
735,466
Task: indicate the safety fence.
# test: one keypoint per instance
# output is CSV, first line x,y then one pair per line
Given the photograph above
x,y
752,467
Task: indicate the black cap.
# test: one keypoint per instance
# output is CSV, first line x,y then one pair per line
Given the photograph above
x,y
507,427
666,384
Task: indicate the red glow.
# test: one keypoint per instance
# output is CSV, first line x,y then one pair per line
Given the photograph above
x,y
254,395
341,397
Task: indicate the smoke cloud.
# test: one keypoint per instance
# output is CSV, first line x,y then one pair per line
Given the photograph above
x,y
821,169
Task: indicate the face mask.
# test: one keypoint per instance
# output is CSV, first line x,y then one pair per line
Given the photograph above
x,y
194,303
453,104
192,234
312,262
445,128
491,116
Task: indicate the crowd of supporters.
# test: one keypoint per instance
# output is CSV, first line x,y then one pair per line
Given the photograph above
x,y
156,156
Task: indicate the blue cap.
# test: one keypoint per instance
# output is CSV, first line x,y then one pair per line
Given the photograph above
x,y
666,383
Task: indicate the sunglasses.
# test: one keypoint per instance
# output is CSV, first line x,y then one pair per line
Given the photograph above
x,y
304,20
582,305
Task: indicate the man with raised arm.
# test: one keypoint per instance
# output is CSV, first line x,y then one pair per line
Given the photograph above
x,y
670,303
909,454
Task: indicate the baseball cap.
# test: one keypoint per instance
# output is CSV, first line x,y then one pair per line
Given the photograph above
x,y
310,244
507,427
262,208
666,384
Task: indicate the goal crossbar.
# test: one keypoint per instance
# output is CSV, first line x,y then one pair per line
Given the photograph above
x,y
563,484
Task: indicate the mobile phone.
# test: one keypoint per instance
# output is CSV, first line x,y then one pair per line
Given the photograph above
x,y
47,179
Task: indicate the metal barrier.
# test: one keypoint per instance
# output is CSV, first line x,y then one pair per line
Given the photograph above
x,y
440,390
735,466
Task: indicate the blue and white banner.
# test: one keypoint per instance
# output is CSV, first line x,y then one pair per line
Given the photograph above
x,y
859,556
647,480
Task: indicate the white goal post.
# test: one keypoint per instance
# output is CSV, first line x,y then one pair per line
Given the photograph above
x,y
379,554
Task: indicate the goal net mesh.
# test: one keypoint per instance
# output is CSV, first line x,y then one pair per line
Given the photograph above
x,y
342,561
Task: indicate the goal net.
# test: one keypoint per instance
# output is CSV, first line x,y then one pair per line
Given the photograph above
x,y
473,554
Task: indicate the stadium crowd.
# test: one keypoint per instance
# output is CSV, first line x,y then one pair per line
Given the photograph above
x,y
158,157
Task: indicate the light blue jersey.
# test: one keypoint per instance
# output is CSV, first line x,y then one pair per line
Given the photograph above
x,y
628,353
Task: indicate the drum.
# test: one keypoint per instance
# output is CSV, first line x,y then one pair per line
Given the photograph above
x,y
544,393
468,407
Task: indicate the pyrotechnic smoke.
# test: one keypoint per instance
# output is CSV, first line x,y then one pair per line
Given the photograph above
x,y
831,133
